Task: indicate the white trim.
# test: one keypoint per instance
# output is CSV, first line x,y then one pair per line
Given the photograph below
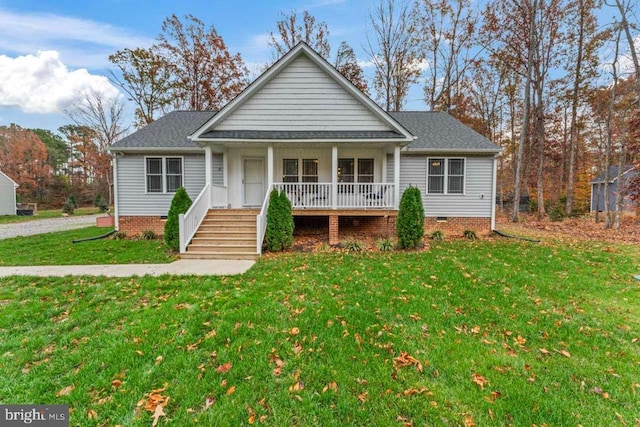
x,y
208,165
116,205
164,173
334,177
270,166
15,184
275,69
493,192
445,182
396,176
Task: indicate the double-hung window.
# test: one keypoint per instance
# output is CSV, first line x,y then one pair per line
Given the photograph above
x,y
291,171
164,174
445,176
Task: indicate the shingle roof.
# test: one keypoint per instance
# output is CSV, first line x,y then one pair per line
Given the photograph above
x,y
438,131
613,173
434,131
170,131
280,134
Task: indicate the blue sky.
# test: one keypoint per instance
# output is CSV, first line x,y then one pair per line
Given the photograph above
x,y
52,50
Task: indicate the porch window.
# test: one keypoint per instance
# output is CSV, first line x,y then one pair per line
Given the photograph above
x,y
445,176
365,170
346,170
309,170
164,174
289,170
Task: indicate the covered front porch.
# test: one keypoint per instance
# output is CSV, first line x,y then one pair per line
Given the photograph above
x,y
326,179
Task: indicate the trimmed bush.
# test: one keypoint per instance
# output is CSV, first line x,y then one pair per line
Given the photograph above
x,y
279,233
180,204
353,246
101,203
410,223
557,214
69,205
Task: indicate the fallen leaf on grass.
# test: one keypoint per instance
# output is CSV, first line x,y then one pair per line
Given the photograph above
x,y
406,360
544,351
294,331
224,368
231,390
159,412
479,380
65,391
298,386
209,402
297,348
363,397
565,353
468,421
91,414
331,386
116,383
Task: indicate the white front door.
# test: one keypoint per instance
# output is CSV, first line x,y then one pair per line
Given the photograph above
x,y
253,181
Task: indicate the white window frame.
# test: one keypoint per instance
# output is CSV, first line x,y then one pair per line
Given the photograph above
x,y
164,173
446,176
300,169
356,169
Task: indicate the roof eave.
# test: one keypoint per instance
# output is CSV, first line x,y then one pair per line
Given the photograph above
x,y
401,141
114,150
454,150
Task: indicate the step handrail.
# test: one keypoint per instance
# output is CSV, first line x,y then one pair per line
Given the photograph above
x,y
190,221
261,221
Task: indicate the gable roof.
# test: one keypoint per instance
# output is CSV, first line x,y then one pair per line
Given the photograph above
x,y
2,174
169,132
393,130
613,174
437,131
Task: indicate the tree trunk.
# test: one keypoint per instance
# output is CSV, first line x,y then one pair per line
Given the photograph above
x,y
630,40
525,115
574,115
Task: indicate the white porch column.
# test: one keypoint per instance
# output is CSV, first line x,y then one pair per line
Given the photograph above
x,y
269,165
208,168
384,167
334,177
493,193
225,168
396,176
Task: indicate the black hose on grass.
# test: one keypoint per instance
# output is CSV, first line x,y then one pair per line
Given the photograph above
x,y
526,239
102,236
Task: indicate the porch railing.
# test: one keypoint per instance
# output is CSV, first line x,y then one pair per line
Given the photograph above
x,y
349,195
261,222
190,221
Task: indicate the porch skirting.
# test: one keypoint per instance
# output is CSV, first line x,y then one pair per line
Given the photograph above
x,y
135,225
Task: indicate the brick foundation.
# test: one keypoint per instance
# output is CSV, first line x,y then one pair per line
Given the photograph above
x,y
385,226
135,225
457,225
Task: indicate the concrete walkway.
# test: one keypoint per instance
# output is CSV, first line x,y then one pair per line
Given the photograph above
x,y
49,225
190,267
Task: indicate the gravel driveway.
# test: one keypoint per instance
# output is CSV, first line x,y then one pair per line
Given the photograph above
x,y
50,225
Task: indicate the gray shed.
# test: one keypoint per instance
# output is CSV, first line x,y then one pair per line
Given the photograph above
x,y
7,195
597,189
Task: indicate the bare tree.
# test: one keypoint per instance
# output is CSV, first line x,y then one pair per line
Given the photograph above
x,y
147,81
393,52
290,32
347,65
445,30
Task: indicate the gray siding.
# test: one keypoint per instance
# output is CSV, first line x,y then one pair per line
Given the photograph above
x,y
7,196
597,198
476,202
302,97
132,199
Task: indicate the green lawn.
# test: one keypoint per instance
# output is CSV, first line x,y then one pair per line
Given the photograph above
x,y
46,214
491,333
58,249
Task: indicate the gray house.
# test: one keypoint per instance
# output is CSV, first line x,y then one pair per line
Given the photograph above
x,y
7,195
304,129
597,189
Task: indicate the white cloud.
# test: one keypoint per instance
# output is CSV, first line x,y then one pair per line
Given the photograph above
x,y
43,84
80,42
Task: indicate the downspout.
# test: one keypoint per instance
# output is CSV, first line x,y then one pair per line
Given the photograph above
x,y
116,208
493,193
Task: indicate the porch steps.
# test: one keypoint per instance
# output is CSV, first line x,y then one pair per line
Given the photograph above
x,y
225,234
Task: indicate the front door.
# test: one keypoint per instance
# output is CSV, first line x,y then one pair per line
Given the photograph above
x,y
253,181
